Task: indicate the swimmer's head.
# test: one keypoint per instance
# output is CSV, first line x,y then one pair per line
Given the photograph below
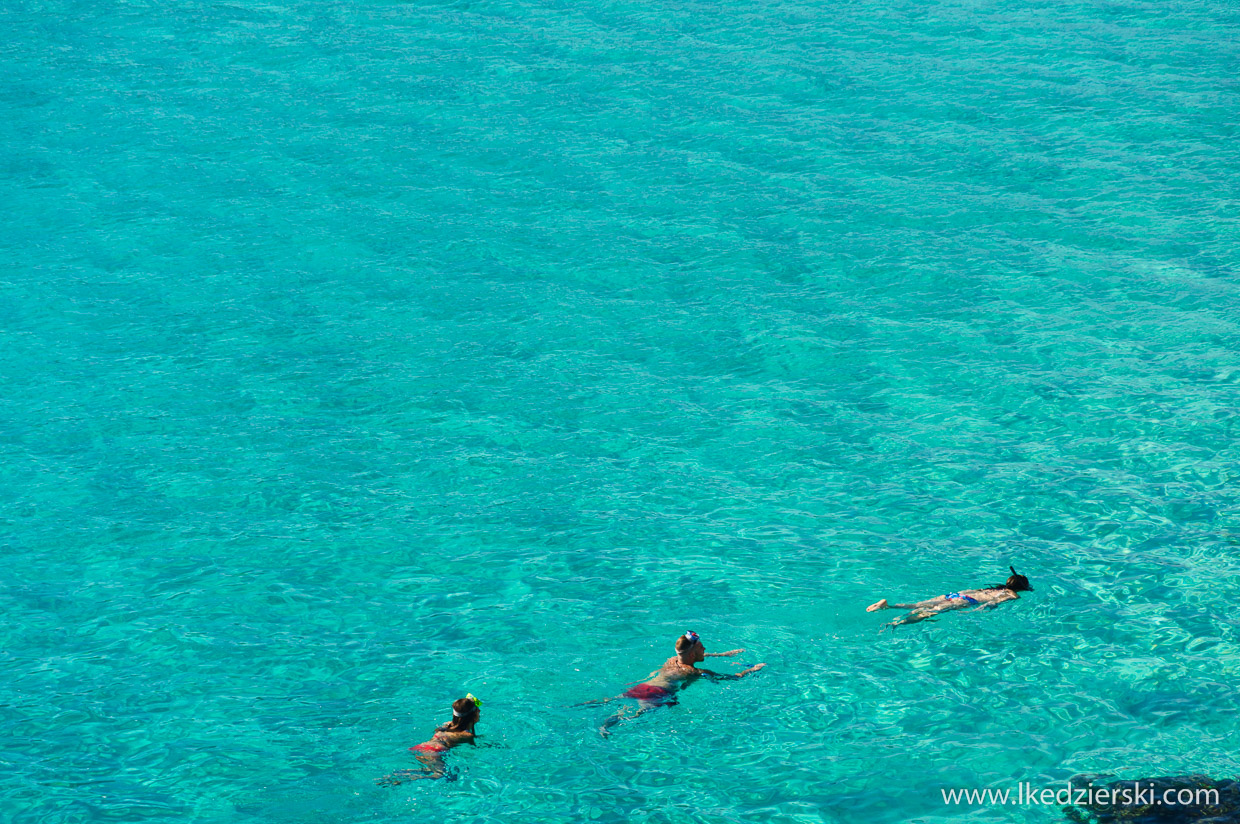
x,y
1018,582
465,711
690,646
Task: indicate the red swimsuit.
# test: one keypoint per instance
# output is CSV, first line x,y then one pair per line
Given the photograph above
x,y
649,692
429,746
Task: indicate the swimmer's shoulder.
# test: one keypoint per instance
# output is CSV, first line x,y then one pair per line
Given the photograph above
x,y
673,671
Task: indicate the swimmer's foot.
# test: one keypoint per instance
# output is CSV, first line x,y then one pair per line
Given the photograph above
x,y
875,607
605,729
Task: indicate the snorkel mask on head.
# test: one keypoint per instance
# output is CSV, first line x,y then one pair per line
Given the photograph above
x,y
477,705
692,637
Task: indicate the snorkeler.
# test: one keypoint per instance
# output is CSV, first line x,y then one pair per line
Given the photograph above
x,y
987,598
460,730
661,686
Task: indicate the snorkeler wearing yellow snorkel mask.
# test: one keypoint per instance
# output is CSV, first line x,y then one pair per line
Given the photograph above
x,y
460,730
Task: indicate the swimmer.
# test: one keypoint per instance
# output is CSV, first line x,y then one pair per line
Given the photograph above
x,y
987,598
661,686
460,730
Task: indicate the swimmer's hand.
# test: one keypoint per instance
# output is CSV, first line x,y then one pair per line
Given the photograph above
x,y
754,668
875,607
724,654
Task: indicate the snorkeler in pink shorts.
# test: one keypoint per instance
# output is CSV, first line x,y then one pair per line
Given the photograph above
x,y
678,672
460,730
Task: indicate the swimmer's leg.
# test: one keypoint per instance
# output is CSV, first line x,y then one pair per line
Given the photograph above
x,y
613,720
592,702
917,615
433,765
913,617
621,715
883,604
399,777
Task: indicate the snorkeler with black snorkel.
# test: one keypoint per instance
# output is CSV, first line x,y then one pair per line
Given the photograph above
x,y
987,598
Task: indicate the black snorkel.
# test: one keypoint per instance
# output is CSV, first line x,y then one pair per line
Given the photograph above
x,y
1018,582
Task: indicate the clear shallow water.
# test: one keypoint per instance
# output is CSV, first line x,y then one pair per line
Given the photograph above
x,y
356,356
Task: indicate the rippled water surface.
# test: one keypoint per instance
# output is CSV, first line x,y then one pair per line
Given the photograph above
x,y
356,355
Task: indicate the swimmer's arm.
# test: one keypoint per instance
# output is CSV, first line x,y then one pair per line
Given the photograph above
x,y
719,676
729,653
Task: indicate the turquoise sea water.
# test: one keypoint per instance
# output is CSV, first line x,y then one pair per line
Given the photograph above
x,y
356,355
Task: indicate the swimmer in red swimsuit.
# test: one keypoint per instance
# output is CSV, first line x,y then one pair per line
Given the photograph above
x,y
662,685
460,730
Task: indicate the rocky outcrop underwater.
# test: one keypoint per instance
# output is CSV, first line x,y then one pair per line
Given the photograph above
x,y
1192,799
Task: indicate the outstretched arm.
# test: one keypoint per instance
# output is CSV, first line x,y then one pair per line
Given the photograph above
x,y
729,653
720,676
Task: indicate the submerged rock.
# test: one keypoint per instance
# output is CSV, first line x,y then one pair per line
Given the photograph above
x,y
1191,799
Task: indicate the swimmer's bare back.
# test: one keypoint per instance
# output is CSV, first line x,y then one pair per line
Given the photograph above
x,y
986,598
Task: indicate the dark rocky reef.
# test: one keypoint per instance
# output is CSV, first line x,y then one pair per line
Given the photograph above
x,y
1190,799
